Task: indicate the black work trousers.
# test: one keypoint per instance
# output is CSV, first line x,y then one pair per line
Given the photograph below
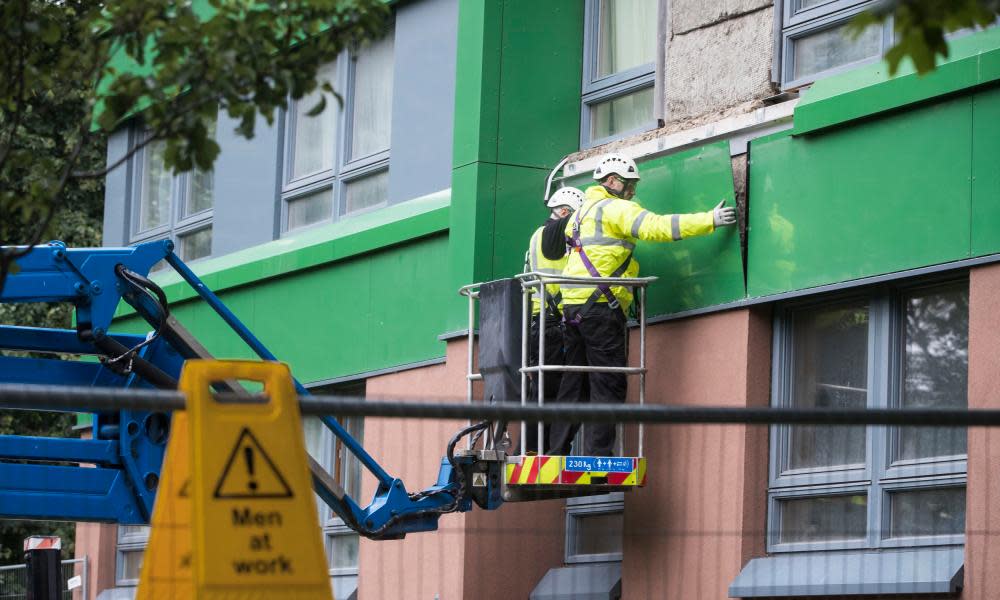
x,y
597,340
554,355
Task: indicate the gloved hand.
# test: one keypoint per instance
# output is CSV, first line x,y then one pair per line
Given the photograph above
x,y
723,216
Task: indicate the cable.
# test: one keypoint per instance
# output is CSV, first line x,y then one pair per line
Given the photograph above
x,y
73,399
155,293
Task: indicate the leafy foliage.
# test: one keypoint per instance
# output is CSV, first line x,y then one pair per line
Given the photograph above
x,y
177,62
921,25
72,71
78,223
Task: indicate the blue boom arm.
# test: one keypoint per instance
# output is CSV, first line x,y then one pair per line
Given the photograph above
x,y
126,449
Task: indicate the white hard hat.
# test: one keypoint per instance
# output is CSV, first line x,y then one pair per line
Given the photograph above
x,y
619,164
567,196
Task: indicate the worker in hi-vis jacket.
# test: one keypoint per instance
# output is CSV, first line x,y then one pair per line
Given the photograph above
x,y
602,236
563,203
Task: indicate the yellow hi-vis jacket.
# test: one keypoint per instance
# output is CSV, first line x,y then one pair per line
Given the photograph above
x,y
609,228
537,262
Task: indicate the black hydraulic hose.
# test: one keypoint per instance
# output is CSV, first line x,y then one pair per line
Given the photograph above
x,y
142,285
147,370
457,495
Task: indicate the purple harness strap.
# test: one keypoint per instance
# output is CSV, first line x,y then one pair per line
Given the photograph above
x,y
604,289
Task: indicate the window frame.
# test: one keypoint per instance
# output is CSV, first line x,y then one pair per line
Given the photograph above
x,y
346,168
335,460
881,475
179,224
125,543
797,24
584,507
597,90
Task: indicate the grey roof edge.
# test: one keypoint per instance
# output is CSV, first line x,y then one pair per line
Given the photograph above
x,y
930,570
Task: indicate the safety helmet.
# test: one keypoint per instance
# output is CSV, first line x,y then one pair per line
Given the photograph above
x,y
619,164
566,196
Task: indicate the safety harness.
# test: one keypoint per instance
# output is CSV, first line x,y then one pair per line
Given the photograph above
x,y
552,301
602,289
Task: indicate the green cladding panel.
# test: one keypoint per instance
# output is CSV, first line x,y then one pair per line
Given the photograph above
x,y
469,260
542,59
881,196
477,81
700,271
972,60
377,310
695,272
519,211
986,172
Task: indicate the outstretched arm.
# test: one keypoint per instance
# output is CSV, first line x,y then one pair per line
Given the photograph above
x,y
645,225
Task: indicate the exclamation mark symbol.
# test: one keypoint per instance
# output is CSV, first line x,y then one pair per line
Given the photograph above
x,y
248,456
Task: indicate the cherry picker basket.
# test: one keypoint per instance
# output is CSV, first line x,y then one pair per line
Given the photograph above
x,y
529,473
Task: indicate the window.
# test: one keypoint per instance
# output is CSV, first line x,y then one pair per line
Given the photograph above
x,y
619,59
815,40
594,528
341,543
844,487
131,544
337,162
178,207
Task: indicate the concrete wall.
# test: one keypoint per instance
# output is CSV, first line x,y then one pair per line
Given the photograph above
x,y
483,555
700,517
733,41
716,63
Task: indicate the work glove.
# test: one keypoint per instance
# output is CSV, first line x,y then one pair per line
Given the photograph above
x,y
723,216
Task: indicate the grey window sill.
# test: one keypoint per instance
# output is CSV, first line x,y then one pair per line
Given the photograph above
x,y
581,582
846,573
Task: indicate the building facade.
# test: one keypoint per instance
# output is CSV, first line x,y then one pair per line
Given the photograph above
x,y
862,273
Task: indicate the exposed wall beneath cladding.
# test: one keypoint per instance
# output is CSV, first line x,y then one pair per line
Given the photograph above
x,y
380,310
695,272
732,42
880,196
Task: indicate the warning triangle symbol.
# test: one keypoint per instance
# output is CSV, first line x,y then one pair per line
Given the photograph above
x,y
250,472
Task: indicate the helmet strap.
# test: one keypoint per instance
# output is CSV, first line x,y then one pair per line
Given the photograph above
x,y
611,191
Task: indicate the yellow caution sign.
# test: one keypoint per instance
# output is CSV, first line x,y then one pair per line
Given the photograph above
x,y
167,564
252,512
250,472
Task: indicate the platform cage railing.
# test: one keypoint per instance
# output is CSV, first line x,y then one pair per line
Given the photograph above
x,y
534,284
